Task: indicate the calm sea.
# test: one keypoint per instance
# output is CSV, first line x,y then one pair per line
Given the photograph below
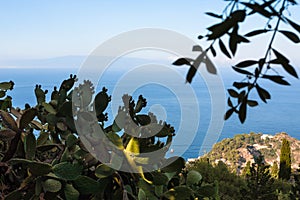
x,y
281,113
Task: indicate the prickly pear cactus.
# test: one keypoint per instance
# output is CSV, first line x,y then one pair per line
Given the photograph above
x,y
5,101
43,156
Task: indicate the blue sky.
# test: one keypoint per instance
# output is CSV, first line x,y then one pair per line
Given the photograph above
x,y
35,29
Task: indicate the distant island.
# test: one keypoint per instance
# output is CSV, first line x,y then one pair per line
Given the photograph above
x,y
235,152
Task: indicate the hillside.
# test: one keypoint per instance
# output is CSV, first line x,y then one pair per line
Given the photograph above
x,y
234,152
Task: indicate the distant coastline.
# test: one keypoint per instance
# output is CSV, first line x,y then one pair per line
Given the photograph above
x,y
281,112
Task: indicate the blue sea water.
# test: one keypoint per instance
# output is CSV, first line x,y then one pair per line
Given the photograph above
x,y
280,114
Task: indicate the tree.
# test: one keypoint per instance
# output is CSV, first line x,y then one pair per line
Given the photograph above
x,y
275,12
246,170
260,182
295,192
285,160
274,170
229,184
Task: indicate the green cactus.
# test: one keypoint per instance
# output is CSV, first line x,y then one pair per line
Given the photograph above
x,y
56,164
52,185
40,94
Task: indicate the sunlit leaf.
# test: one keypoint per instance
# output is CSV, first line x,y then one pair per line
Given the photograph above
x,y
133,146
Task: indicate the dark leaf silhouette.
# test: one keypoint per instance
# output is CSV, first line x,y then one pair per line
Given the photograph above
x,y
241,71
214,15
294,25
276,79
240,85
262,93
290,69
223,48
229,102
228,113
290,35
281,58
284,62
182,61
233,40
218,30
256,8
243,110
233,93
246,63
190,75
213,51
193,69
293,2
252,103
256,32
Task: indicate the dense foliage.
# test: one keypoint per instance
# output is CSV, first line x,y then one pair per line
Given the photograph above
x,y
285,160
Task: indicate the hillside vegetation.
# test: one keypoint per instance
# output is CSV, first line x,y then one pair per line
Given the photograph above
x,y
235,151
